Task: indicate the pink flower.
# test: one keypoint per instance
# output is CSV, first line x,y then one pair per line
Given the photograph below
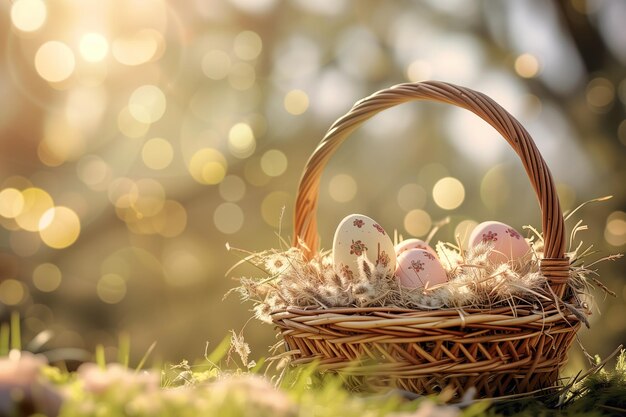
x,y
20,373
98,380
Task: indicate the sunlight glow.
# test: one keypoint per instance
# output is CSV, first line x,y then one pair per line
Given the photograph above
x,y
29,15
59,227
138,48
93,47
55,61
241,142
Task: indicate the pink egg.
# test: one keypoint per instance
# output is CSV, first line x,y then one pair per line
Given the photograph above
x,y
407,244
507,243
418,268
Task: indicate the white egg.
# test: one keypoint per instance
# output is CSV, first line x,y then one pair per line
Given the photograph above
x,y
359,235
507,243
418,268
407,244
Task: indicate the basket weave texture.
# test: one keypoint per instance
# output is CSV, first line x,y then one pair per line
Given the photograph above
x,y
501,351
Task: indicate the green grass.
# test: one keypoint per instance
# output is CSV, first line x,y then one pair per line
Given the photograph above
x,y
226,383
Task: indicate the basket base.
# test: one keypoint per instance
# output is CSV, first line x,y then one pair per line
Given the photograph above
x,y
482,386
373,353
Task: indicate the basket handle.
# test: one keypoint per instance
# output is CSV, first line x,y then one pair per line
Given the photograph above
x,y
554,265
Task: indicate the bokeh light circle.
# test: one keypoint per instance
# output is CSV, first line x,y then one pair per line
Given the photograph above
x,y
241,142
59,227
47,277
600,93
157,153
123,192
232,188
11,292
274,163
151,196
137,48
93,171
147,104
342,188
11,203
129,125
93,47
273,205
463,231
28,15
615,229
36,203
173,219
448,193
54,61
216,64
296,102
247,45
228,218
494,188
208,166
527,65
111,288
417,222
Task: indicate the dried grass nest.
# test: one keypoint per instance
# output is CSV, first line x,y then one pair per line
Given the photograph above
x,y
290,280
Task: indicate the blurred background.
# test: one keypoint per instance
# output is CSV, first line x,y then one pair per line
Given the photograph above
x,y
138,137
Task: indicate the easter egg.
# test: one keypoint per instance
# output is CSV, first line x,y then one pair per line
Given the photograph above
x,y
418,268
507,243
359,235
407,244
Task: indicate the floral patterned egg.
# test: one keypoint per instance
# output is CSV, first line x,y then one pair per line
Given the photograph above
x,y
359,235
507,243
407,244
418,268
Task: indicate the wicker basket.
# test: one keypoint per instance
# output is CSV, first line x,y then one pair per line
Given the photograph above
x,y
499,351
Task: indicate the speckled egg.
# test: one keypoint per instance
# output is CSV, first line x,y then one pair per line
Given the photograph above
x,y
507,243
407,244
418,268
356,235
